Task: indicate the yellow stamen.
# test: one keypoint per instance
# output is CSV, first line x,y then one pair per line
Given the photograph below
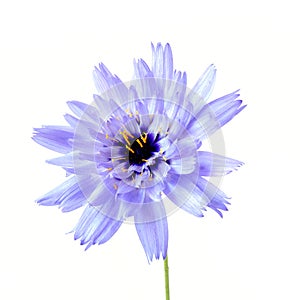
x,y
109,169
145,160
110,138
128,112
127,133
126,139
118,158
140,143
115,186
129,149
144,137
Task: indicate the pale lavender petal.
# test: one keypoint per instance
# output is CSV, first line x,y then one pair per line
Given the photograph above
x,y
94,227
67,196
216,165
154,234
56,138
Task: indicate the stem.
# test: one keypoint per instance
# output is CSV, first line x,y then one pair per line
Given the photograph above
x,y
166,266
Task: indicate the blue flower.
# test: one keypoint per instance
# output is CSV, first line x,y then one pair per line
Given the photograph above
x,y
134,153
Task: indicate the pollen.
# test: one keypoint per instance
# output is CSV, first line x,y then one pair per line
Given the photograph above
x,y
125,134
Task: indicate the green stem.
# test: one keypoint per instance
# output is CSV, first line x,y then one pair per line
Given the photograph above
x,y
166,266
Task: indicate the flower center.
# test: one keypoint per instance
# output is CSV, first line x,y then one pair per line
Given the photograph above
x,y
142,149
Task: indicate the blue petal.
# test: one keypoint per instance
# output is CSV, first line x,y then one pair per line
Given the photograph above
x,y
94,227
185,194
203,88
57,138
216,165
73,122
183,160
168,62
153,234
67,196
88,113
109,86
157,60
214,115
75,161
141,69
77,107
103,78
217,199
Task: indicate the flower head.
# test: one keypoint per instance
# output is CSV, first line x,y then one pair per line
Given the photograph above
x,y
134,153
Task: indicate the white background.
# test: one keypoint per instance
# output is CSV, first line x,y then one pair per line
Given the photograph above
x,y
48,50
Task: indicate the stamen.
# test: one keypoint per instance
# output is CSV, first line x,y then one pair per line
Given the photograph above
x,y
145,160
129,149
118,158
144,137
126,139
129,113
109,169
140,143
115,186
125,134
110,138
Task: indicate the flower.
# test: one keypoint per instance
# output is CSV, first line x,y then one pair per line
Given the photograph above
x,y
134,153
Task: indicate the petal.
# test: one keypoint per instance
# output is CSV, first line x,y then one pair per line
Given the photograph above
x,y
185,194
56,138
73,122
103,78
216,165
214,115
168,62
94,227
152,228
159,123
184,165
217,199
109,86
77,107
103,107
141,69
203,88
67,196
88,114
160,170
157,60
